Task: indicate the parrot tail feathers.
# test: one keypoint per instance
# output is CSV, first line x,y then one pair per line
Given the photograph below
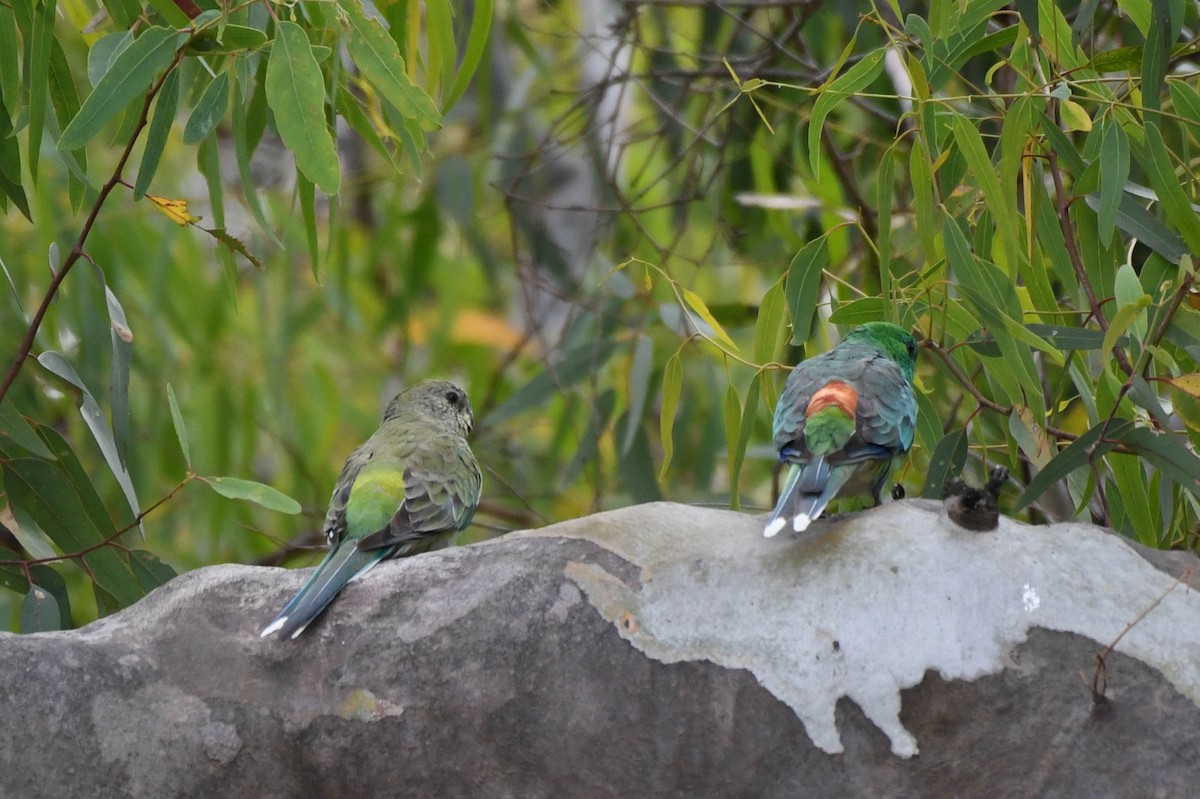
x,y
787,498
818,492
345,563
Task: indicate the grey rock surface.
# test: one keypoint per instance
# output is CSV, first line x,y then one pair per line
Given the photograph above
x,y
657,650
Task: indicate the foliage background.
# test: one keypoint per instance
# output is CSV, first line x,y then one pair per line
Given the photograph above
x,y
613,223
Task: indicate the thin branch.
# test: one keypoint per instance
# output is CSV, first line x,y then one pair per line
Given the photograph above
x,y
76,252
1064,221
111,540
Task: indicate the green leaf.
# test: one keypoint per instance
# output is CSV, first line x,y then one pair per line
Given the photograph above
x,y
31,537
180,428
1134,220
165,107
946,462
1114,171
264,495
472,56
671,386
733,426
439,42
10,169
296,94
64,504
226,39
308,214
39,611
855,79
1003,209
171,12
804,284
769,325
130,76
929,424
1166,452
122,356
1130,478
696,303
1156,55
209,110
104,52
1073,338
1123,319
149,570
1166,184
10,75
639,388
1076,455
245,138
746,430
93,417
15,431
52,582
866,309
39,79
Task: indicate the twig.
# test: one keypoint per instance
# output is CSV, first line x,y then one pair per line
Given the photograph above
x,y
1100,674
111,540
76,252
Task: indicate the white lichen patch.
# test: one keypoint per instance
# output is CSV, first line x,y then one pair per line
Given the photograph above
x,y
863,607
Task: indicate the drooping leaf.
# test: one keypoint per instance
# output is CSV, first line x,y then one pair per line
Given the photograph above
x,y
258,493
296,94
209,110
134,70
165,107
180,427
225,39
39,611
733,426
855,79
16,432
639,388
698,306
804,284
39,79
1167,184
473,51
93,417
946,462
150,571
1076,455
376,54
671,387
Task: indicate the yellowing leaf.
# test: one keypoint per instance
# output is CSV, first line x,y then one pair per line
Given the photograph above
x,y
697,304
175,210
1074,117
1189,383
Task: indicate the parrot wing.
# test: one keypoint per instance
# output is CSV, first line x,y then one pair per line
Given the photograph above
x,y
442,485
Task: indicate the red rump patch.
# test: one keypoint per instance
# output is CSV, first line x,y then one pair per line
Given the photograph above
x,y
836,393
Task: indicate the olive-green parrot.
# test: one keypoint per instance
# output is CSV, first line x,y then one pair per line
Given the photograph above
x,y
845,419
407,490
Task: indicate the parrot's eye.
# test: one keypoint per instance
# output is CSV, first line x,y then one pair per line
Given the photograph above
x,y
452,397
912,348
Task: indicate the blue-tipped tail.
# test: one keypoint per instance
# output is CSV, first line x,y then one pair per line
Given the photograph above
x,y
343,564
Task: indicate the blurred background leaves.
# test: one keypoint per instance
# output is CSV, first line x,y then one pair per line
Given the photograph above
x,y
614,223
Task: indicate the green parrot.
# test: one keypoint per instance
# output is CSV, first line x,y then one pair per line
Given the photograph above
x,y
845,419
407,490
